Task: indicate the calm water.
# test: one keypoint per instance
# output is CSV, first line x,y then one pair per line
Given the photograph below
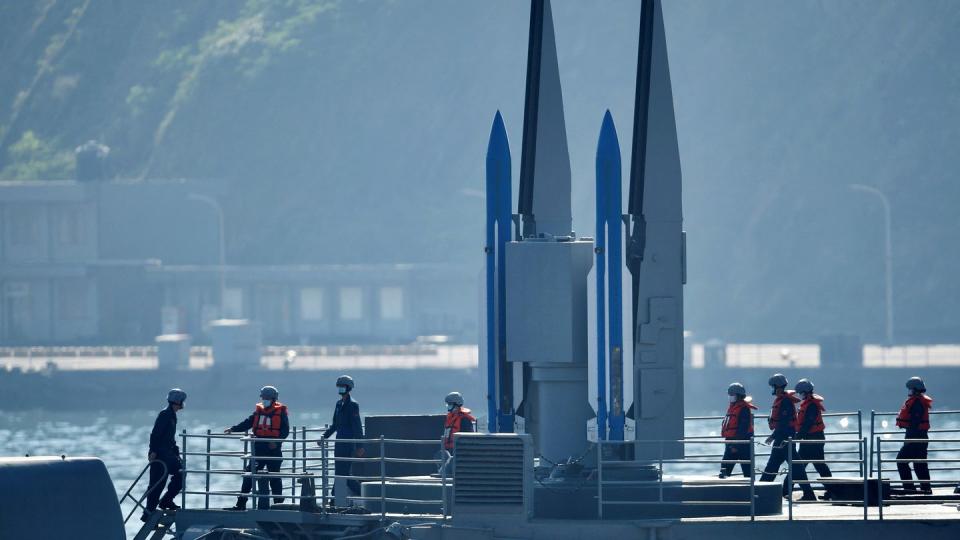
x,y
120,439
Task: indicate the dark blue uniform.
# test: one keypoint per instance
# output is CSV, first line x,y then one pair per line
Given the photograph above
x,y
263,448
347,425
782,430
163,443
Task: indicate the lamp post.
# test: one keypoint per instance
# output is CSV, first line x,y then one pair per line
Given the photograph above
x,y
888,256
215,204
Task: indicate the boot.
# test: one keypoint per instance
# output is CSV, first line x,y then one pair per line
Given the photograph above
x,y
278,500
147,514
239,507
169,505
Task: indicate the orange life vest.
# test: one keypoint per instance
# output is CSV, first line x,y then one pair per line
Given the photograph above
x,y
732,421
903,419
787,399
266,422
818,425
453,425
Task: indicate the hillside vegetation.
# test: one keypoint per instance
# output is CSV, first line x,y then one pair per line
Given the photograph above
x,y
355,131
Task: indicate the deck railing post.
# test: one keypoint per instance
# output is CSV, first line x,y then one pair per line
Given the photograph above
x,y
206,484
866,491
183,471
660,471
879,480
863,465
873,418
293,464
753,498
790,477
254,481
323,473
600,479
383,480
303,455
443,489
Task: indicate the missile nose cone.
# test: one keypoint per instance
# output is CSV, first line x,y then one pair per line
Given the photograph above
x,y
498,136
607,119
607,129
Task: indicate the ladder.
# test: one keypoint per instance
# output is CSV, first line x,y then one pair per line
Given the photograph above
x,y
160,521
157,526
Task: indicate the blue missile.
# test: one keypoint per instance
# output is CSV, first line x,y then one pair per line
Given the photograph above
x,y
498,190
608,267
610,176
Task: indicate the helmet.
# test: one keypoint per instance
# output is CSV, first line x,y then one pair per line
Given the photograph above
x,y
454,398
736,389
916,383
269,392
778,379
177,396
804,386
345,381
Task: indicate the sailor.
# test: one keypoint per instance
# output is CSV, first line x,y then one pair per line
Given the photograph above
x,y
737,426
914,417
164,456
810,427
459,420
783,414
347,425
269,423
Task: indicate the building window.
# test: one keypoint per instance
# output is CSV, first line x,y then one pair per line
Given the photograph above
x,y
233,303
24,226
72,300
311,304
351,303
391,303
70,226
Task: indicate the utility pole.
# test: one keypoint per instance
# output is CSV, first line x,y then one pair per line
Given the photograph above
x,y
218,209
888,255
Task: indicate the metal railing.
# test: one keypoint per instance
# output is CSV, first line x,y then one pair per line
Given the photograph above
x,y
826,481
883,432
706,459
308,461
848,429
138,501
925,485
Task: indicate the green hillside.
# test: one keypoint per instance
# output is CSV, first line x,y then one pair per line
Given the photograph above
x,y
355,131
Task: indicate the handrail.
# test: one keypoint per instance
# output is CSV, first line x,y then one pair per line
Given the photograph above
x,y
926,485
310,461
751,481
137,501
791,460
874,431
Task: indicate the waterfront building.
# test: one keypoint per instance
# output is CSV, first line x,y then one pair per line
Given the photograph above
x,y
119,262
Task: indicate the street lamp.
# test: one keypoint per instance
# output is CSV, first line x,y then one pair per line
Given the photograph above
x,y
889,254
213,203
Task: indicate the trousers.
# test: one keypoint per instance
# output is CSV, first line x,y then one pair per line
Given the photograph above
x,y
159,479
